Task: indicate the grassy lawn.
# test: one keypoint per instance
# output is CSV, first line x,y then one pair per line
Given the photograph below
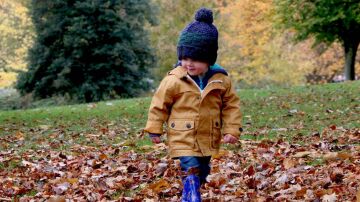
x,y
288,113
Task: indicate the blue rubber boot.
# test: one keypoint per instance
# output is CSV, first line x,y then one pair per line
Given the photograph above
x,y
191,191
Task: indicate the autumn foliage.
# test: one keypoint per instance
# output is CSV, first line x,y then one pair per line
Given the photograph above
x,y
252,48
326,168
298,144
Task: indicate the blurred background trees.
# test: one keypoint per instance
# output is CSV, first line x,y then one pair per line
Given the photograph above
x,y
16,36
326,21
95,50
89,50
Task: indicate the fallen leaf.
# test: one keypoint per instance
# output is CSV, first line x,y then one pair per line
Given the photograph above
x,y
57,199
329,198
330,156
301,192
103,157
302,154
216,180
344,155
333,127
220,154
72,180
19,135
160,168
104,130
336,177
250,171
159,186
282,179
289,163
61,188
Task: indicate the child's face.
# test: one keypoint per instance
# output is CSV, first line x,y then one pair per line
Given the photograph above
x,y
194,67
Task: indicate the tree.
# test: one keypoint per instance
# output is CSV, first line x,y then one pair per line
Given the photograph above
x,y
327,21
89,50
16,35
256,54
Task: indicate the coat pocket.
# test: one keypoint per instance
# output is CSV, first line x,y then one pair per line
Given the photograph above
x,y
216,134
181,134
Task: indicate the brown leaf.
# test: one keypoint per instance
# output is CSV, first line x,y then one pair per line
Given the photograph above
x,y
221,154
239,193
252,183
159,186
289,163
321,192
302,154
104,130
333,127
301,192
331,156
336,177
216,180
19,135
344,155
63,156
72,180
103,157
57,199
250,171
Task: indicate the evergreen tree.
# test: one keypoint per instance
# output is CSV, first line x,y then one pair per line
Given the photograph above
x,y
89,49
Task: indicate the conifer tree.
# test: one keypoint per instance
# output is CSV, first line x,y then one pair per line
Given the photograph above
x,y
89,49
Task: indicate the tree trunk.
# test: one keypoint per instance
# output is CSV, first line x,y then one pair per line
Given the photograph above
x,y
350,48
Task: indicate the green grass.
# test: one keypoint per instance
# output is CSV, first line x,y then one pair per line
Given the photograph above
x,y
291,113
301,110
316,162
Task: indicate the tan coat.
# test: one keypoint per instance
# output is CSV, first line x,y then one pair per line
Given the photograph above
x,y
195,120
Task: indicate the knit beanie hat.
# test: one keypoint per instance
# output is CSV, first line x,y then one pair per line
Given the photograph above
x,y
199,39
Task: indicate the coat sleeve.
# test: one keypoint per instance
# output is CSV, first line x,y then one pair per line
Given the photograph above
x,y
231,114
159,108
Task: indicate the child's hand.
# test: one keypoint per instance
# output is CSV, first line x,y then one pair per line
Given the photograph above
x,y
155,138
228,138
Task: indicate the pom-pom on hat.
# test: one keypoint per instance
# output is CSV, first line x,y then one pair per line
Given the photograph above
x,y
199,39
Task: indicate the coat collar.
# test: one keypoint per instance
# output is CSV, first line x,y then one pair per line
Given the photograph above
x,y
179,72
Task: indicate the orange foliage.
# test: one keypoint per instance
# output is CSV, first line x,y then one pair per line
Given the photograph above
x,y
259,55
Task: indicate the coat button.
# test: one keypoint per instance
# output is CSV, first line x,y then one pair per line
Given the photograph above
x,y
188,125
172,125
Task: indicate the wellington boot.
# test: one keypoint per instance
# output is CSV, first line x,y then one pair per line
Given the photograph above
x,y
191,191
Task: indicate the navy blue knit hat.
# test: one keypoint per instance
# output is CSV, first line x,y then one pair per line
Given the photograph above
x,y
199,39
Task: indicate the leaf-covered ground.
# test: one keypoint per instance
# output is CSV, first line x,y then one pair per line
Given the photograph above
x,y
299,144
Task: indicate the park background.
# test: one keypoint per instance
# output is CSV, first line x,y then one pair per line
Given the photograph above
x,y
258,45
76,79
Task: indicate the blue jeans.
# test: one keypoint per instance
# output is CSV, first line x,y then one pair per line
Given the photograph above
x,y
201,163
